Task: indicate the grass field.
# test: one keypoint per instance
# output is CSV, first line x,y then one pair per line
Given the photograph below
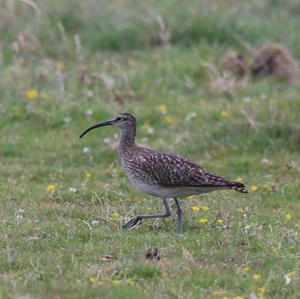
x,y
66,65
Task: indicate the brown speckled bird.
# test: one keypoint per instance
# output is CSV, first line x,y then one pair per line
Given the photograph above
x,y
161,174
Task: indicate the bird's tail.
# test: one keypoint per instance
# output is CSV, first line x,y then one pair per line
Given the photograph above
x,y
240,187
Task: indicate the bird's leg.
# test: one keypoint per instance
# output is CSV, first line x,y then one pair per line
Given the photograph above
x,y
138,218
179,214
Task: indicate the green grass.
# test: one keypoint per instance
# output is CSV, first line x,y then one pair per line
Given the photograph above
x,y
53,243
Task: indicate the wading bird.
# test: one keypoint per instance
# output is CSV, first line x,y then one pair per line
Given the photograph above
x,y
161,174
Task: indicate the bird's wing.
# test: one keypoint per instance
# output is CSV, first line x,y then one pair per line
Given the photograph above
x,y
171,170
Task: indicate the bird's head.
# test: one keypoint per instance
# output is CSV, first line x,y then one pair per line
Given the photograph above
x,y
122,121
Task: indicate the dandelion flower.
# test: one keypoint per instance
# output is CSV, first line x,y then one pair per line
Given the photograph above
x,y
196,209
216,293
92,278
253,188
245,269
87,174
51,187
256,277
31,94
116,282
204,208
220,221
190,197
129,281
168,120
238,179
261,290
240,210
162,109
115,216
224,113
289,217
291,274
203,220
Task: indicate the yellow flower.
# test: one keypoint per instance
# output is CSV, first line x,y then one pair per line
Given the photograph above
x,y
203,220
51,187
168,120
220,221
87,174
289,217
237,297
238,179
31,94
92,278
204,208
261,290
253,188
240,210
216,293
245,269
162,108
196,209
256,276
61,66
115,216
291,274
129,281
190,197
224,113
116,282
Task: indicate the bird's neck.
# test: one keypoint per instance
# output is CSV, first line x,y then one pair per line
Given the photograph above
x,y
127,139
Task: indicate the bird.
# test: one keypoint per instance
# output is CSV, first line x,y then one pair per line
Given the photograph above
x,y
161,174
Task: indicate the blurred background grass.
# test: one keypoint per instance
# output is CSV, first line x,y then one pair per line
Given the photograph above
x,y
134,25
68,64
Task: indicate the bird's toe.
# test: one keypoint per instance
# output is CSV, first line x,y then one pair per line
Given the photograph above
x,y
132,222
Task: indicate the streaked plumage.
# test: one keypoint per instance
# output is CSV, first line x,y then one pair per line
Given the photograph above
x,y
167,170
162,174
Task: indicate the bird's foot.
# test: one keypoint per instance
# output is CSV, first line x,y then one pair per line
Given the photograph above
x,y
133,221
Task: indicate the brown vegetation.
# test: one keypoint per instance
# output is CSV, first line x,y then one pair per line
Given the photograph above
x,y
274,59
234,63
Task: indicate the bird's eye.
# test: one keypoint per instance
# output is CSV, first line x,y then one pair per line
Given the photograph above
x,y
118,118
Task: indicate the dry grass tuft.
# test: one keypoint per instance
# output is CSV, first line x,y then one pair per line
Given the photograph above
x,y
274,59
234,63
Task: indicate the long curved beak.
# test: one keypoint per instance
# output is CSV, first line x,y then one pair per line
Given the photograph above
x,y
103,124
